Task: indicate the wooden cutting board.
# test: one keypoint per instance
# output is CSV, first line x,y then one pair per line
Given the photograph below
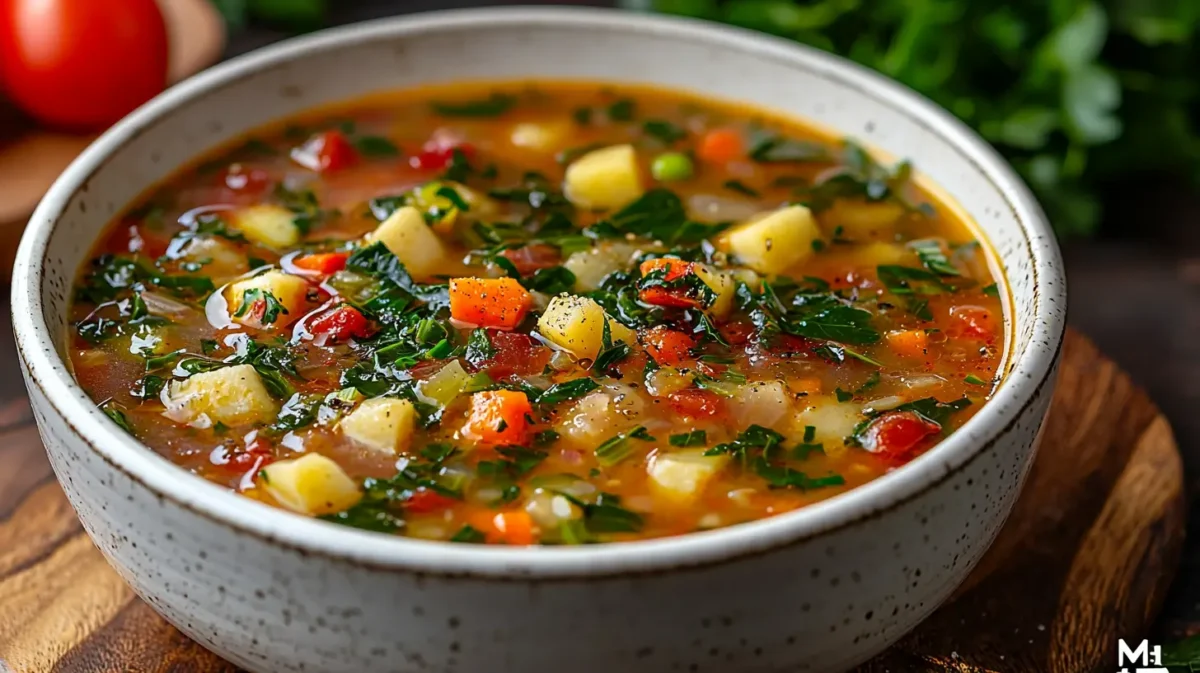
x,y
1085,558
32,157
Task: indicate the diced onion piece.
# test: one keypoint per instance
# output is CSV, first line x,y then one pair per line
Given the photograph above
x,y
712,209
312,485
591,266
546,136
592,420
164,306
604,179
765,403
444,386
666,380
549,509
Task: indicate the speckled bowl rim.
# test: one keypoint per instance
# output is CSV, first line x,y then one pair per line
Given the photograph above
x,y
1030,370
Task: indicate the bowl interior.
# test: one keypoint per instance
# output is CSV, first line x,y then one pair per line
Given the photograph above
x,y
225,102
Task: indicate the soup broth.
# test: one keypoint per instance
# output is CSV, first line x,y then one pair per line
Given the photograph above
x,y
539,313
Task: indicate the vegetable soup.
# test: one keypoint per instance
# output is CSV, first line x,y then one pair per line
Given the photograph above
x,y
539,313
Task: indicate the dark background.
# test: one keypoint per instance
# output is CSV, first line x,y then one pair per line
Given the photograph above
x,y
1134,290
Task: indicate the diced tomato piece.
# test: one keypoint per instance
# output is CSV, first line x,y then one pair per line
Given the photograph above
x,y
258,451
325,152
787,344
736,333
897,435
341,323
720,146
667,346
533,257
323,262
499,418
676,268
424,501
676,297
437,154
973,322
697,403
241,179
516,354
489,302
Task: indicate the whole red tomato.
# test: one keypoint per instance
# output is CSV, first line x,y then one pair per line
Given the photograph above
x,y
81,64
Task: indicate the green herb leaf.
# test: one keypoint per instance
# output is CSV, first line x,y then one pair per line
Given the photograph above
x,y
117,413
494,105
619,447
469,535
376,147
567,390
622,110
929,250
256,299
665,131
692,438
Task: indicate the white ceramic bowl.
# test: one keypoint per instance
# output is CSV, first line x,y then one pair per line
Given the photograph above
x,y
818,589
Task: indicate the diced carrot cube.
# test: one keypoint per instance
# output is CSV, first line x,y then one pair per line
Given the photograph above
x,y
515,528
910,343
489,302
720,146
499,418
809,385
323,262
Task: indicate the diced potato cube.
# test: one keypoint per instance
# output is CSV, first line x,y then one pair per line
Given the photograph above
x,y
861,219
547,136
291,292
382,424
576,325
765,403
232,395
721,283
311,484
219,260
604,179
831,420
426,198
681,477
772,244
447,384
875,254
271,225
411,241
591,266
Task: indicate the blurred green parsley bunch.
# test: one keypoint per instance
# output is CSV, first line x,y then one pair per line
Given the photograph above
x,y
296,15
1080,95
